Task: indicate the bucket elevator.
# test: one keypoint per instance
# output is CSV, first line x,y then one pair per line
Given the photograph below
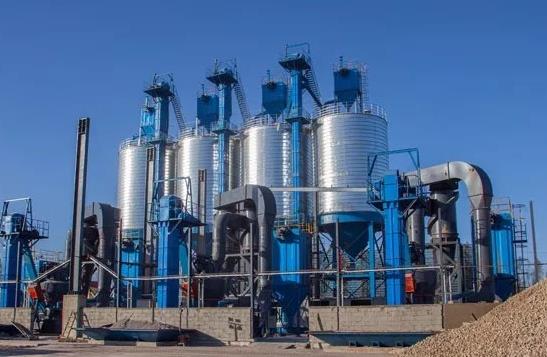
x,y
227,79
145,159
19,232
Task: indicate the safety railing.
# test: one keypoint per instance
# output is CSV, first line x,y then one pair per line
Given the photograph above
x,y
341,107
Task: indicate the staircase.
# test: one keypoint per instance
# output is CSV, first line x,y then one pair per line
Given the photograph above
x,y
313,88
241,100
177,108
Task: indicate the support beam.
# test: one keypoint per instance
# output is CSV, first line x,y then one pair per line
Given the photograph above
x,y
79,205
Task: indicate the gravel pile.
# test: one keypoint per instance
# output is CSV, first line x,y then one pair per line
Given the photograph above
x,y
140,325
517,327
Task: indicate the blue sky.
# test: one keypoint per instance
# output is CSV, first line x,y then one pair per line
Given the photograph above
x,y
461,80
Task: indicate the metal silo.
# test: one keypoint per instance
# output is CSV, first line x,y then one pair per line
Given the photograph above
x,y
343,140
170,168
235,167
132,186
267,159
197,151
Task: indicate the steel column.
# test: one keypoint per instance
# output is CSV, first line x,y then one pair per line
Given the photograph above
x,y
79,204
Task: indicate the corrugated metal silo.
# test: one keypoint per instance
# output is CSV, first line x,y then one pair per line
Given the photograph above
x,y
198,151
343,141
267,159
131,186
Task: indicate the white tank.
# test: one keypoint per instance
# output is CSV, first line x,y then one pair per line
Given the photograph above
x,y
131,184
267,160
342,142
197,151
132,159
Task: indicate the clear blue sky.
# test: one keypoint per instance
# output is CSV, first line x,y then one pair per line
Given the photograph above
x,y
461,80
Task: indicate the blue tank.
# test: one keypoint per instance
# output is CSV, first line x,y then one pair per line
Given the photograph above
x,y
207,110
274,97
503,259
290,253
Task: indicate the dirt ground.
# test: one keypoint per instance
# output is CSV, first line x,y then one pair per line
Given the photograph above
x,y
50,347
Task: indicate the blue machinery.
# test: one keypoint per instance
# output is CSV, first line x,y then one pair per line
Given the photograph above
x,y
174,223
292,242
19,233
395,198
154,128
503,254
226,78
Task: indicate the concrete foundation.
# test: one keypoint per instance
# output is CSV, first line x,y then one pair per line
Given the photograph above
x,y
221,326
215,325
392,319
73,306
22,316
455,315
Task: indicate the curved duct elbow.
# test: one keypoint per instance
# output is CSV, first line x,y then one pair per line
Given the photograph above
x,y
479,190
479,186
223,222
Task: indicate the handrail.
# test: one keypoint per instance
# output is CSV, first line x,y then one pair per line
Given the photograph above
x,y
341,108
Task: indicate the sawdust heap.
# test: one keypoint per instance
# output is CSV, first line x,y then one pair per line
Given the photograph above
x,y
517,327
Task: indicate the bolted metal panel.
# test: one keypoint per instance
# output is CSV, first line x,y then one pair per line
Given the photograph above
x,y
235,167
198,152
132,184
343,141
267,160
170,168
309,167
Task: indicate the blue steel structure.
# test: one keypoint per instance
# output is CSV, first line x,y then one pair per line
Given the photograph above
x,y
19,232
172,220
297,62
503,254
395,198
292,242
226,78
154,128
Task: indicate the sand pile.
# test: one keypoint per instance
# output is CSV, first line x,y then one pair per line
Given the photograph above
x,y
517,327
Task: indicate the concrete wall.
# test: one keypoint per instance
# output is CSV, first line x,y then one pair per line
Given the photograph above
x,y
454,315
214,325
22,316
404,318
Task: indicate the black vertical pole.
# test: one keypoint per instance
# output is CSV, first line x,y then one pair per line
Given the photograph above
x,y
202,209
251,279
338,276
149,255
534,247
79,205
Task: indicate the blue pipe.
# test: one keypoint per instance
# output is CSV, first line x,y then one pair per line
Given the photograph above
x,y
371,261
